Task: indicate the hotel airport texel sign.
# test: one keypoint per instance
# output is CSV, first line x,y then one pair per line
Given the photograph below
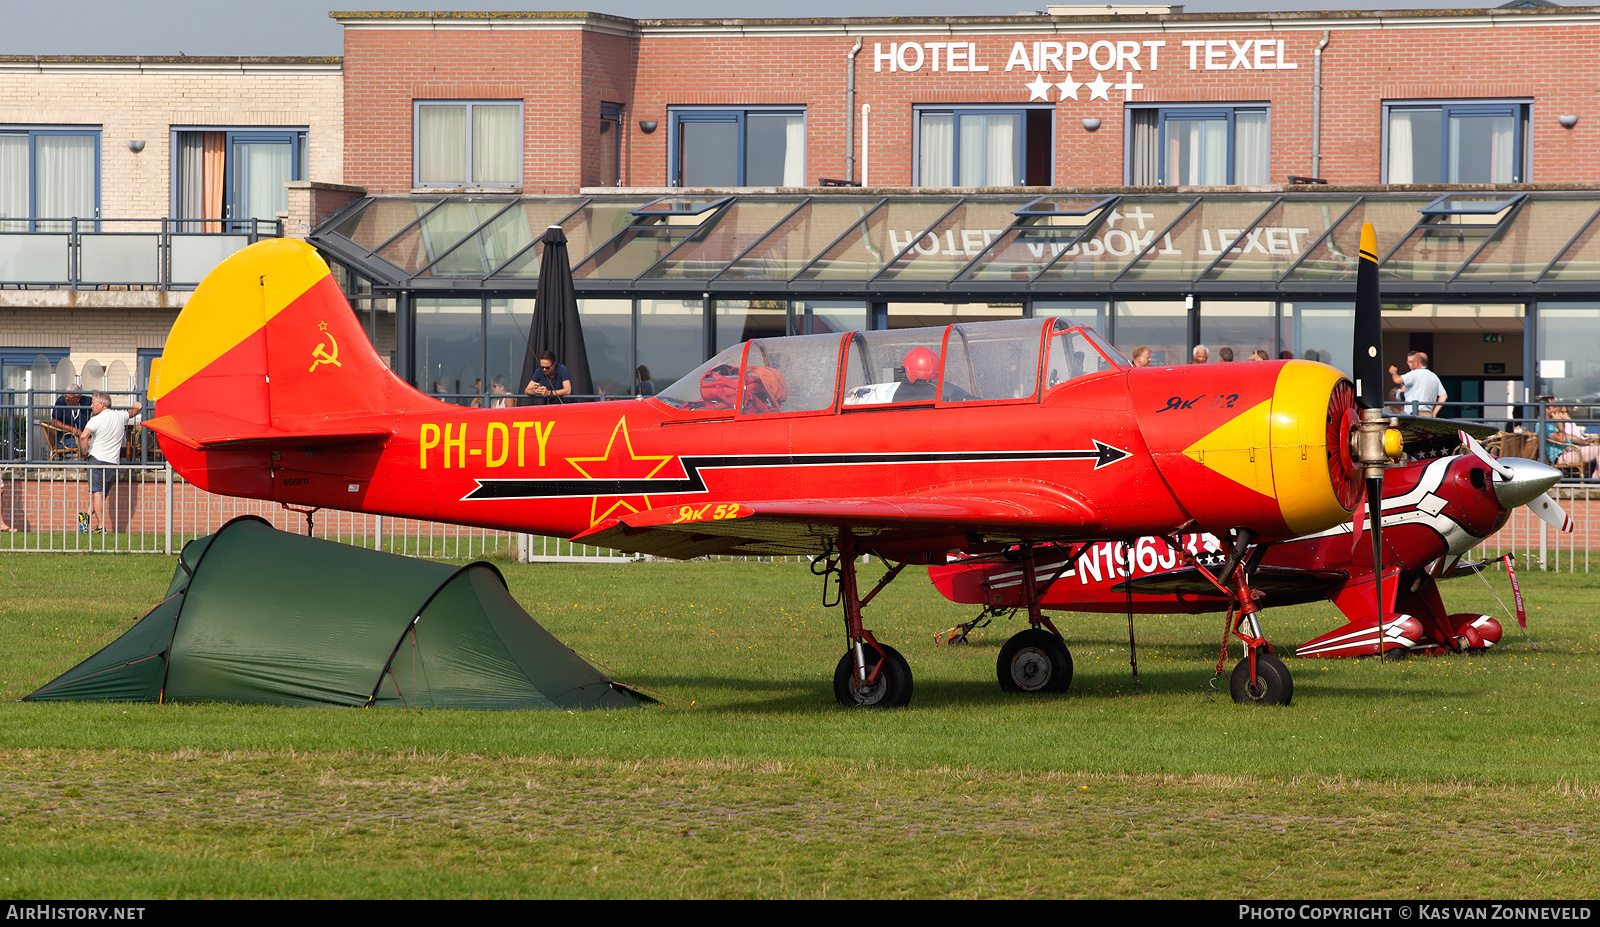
x,y
1064,58
1123,234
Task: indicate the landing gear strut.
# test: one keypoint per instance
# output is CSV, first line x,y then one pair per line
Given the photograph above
x,y
1037,659
870,674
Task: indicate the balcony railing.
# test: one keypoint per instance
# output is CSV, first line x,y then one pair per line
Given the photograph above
x,y
160,254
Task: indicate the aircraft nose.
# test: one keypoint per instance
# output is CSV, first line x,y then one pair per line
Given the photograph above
x,y
1528,481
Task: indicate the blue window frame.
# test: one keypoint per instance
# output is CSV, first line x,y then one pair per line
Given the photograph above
x,y
48,172
983,146
750,147
1449,141
610,144
241,179
1199,145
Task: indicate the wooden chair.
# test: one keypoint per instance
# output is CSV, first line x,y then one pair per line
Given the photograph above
x,y
1513,444
55,439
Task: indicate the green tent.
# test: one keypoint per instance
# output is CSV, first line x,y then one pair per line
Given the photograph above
x,y
254,614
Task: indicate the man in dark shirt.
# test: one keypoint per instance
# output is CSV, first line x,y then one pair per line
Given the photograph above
x,y
70,415
551,382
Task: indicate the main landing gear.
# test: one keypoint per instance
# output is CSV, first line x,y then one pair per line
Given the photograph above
x,y
1037,659
870,674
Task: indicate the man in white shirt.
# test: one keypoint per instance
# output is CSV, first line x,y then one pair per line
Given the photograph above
x,y
104,434
1422,391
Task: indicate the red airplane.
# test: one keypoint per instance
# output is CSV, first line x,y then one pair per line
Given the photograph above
x,y
1434,511
909,444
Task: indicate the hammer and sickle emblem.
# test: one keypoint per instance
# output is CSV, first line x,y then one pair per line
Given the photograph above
x,y
321,355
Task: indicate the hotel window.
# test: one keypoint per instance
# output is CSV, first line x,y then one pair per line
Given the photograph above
x,y
234,175
468,143
983,147
1201,145
48,173
1455,142
737,148
610,139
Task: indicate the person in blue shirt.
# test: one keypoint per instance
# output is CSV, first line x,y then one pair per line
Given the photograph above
x,y
71,414
551,382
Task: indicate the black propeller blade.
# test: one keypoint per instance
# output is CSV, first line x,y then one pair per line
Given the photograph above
x,y
1367,367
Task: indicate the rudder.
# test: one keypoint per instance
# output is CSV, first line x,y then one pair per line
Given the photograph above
x,y
267,346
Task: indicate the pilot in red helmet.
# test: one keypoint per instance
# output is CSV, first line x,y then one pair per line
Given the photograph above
x,y
921,368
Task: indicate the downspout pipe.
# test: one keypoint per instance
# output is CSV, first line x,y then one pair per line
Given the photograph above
x,y
850,113
1316,107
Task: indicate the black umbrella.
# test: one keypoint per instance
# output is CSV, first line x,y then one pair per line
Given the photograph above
x,y
555,317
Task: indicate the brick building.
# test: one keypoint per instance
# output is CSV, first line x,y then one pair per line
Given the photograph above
x,y
1203,174
100,159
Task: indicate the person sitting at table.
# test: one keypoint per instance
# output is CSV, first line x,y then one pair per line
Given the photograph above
x,y
1568,444
70,415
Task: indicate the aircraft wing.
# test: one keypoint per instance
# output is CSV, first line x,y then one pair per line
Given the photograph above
x,y
932,521
1282,585
207,430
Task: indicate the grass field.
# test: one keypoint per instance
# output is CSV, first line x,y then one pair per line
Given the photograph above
x,y
1440,778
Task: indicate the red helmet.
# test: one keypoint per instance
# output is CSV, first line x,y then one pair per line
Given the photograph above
x,y
921,364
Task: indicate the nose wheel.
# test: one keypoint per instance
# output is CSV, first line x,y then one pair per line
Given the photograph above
x,y
1034,661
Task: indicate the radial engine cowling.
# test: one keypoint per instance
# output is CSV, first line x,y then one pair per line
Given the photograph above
x,y
1263,444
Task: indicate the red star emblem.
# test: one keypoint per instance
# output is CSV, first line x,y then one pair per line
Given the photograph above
x,y
619,462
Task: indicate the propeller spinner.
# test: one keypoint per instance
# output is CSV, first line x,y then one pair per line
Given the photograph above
x,y
1523,482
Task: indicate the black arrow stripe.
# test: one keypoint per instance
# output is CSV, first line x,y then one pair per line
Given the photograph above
x,y
1103,454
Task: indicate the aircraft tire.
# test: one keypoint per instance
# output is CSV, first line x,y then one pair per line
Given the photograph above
x,y
1034,661
1274,685
891,690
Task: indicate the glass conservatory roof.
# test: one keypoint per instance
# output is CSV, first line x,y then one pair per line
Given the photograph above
x,y
936,243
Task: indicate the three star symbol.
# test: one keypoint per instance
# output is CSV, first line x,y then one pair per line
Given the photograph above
x,y
1099,88
619,462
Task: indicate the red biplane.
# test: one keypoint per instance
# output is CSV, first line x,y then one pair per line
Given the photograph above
x,y
910,444
1434,512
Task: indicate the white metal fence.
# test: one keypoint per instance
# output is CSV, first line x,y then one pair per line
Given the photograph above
x,y
151,510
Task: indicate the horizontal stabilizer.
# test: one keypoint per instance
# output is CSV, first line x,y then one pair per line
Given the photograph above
x,y
206,430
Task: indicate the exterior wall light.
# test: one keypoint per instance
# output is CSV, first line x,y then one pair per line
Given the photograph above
x,y
647,126
136,146
1091,124
1567,122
